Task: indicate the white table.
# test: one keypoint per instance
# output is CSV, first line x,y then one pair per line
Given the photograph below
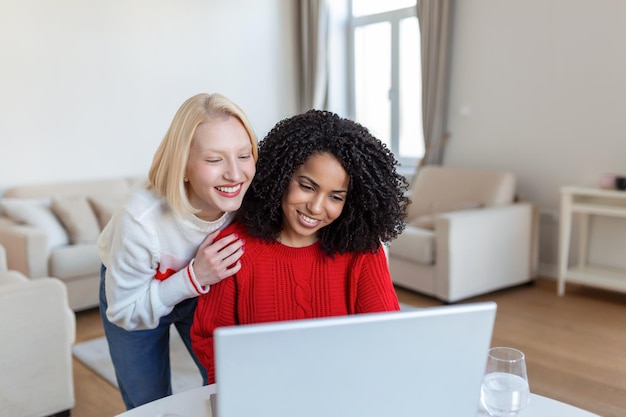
x,y
586,201
196,403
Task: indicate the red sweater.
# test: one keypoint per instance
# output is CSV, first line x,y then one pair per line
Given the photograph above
x,y
278,283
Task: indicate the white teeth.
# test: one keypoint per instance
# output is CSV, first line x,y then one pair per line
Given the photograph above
x,y
229,189
308,219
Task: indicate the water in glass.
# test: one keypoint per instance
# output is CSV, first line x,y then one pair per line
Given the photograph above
x,y
505,391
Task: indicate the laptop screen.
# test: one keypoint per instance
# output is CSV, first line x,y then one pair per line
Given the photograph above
x,y
425,362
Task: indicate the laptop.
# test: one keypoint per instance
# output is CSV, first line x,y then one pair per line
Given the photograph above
x,y
424,362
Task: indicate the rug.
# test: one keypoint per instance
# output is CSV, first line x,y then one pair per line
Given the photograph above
x,y
95,355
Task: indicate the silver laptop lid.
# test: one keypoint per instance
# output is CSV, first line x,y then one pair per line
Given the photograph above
x,y
424,362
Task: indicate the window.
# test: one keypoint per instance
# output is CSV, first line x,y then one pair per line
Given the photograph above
x,y
385,74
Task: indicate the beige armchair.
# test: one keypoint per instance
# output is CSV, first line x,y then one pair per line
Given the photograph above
x,y
38,330
466,236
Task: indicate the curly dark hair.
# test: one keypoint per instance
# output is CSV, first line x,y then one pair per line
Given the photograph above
x,y
375,206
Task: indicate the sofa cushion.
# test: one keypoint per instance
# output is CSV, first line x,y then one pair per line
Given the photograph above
x,y
36,212
414,244
78,218
12,277
438,189
424,222
427,221
74,261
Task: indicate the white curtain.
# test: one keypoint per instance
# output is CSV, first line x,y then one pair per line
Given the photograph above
x,y
435,20
313,51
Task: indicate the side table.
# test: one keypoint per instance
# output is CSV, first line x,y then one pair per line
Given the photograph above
x,y
586,201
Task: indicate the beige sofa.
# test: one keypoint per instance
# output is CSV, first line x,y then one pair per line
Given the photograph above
x,y
38,330
466,235
51,230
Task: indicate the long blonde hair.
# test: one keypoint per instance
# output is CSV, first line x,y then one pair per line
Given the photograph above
x,y
169,164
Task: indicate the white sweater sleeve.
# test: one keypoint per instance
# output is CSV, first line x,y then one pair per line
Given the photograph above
x,y
136,299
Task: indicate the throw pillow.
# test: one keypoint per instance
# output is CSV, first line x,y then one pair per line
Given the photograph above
x,y
36,212
78,218
104,207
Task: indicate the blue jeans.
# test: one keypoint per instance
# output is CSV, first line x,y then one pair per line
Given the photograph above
x,y
141,358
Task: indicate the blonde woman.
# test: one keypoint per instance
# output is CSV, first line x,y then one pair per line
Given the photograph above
x,y
159,251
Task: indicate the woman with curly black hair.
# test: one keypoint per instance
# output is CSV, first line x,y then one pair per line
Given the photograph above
x,y
325,196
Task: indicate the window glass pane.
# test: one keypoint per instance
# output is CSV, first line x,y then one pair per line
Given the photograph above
x,y
411,133
365,7
372,78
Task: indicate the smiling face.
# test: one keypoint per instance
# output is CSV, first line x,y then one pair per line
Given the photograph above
x,y
315,197
220,167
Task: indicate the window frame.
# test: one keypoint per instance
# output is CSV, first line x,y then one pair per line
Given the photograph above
x,y
393,17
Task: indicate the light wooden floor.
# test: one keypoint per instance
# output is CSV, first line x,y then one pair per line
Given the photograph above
x,y
575,346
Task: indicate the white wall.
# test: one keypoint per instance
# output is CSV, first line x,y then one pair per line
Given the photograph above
x,y
538,87
88,88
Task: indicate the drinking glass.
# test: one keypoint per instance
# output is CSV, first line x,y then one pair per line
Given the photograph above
x,y
505,391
